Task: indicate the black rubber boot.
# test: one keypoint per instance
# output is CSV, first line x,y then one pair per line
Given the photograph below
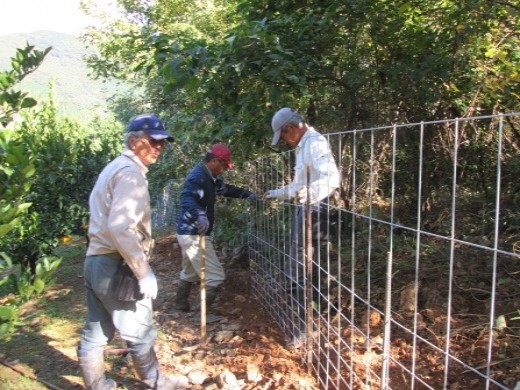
x,y
148,371
211,296
183,293
93,371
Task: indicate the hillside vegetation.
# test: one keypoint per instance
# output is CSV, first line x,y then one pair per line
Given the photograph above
x,y
76,93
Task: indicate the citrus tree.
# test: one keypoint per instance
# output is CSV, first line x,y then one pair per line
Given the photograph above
x,y
16,168
48,165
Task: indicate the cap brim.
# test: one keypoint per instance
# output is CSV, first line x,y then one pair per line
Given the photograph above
x,y
159,135
226,160
276,137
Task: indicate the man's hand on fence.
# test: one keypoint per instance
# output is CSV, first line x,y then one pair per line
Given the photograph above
x,y
271,195
305,192
202,223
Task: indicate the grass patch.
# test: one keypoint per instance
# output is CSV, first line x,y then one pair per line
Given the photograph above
x,y
51,330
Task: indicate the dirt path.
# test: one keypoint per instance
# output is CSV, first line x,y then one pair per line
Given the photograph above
x,y
245,351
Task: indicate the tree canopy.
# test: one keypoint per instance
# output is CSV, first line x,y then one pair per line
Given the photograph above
x,y
219,69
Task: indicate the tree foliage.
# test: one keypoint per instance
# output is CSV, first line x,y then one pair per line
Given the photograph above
x,y
16,171
48,165
68,158
23,63
218,70
16,161
345,65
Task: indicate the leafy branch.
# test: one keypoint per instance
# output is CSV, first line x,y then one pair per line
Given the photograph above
x,y
26,61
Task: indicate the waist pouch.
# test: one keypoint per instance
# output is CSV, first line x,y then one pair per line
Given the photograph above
x,y
126,285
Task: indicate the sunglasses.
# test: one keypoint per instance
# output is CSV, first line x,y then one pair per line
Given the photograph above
x,y
154,143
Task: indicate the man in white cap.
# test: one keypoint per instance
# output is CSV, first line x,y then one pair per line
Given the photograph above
x,y
313,154
196,218
119,248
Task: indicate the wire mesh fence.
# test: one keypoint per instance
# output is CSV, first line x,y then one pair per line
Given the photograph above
x,y
419,276
415,284
165,213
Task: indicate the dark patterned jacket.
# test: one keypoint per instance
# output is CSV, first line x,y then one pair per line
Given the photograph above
x,y
199,195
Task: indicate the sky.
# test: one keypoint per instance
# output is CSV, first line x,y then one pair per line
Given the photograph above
x,y
65,16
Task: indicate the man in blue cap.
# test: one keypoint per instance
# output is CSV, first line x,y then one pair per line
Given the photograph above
x,y
120,240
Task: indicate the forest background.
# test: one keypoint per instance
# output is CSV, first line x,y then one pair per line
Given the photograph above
x,y
217,71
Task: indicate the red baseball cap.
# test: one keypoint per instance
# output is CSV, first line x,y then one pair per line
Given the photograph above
x,y
223,152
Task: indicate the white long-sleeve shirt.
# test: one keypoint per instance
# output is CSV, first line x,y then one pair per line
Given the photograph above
x,y
120,215
312,151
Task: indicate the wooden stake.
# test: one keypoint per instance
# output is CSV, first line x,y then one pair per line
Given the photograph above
x,y
203,333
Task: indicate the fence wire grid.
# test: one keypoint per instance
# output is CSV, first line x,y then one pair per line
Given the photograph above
x,y
417,282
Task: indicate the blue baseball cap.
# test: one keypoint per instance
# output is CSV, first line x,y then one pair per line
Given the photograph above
x,y
151,124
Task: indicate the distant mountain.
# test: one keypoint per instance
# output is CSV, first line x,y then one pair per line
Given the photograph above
x,y
76,93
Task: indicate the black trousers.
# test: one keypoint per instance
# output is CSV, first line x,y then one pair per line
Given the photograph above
x,y
294,267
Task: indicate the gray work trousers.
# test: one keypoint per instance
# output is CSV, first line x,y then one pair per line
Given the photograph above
x,y
106,314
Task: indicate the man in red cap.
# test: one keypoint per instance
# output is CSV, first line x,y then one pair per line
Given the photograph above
x,y
196,218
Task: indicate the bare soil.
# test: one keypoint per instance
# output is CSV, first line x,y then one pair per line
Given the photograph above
x,y
244,351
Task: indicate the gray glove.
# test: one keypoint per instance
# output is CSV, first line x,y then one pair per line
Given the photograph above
x,y
202,223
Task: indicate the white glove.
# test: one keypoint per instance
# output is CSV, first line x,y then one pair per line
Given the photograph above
x,y
302,193
148,286
271,194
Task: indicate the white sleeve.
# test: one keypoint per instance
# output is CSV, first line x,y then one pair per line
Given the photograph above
x,y
324,175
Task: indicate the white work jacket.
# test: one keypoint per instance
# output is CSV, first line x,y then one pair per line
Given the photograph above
x,y
120,215
312,151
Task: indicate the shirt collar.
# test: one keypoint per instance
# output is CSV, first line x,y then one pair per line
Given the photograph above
x,y
205,167
131,155
306,135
